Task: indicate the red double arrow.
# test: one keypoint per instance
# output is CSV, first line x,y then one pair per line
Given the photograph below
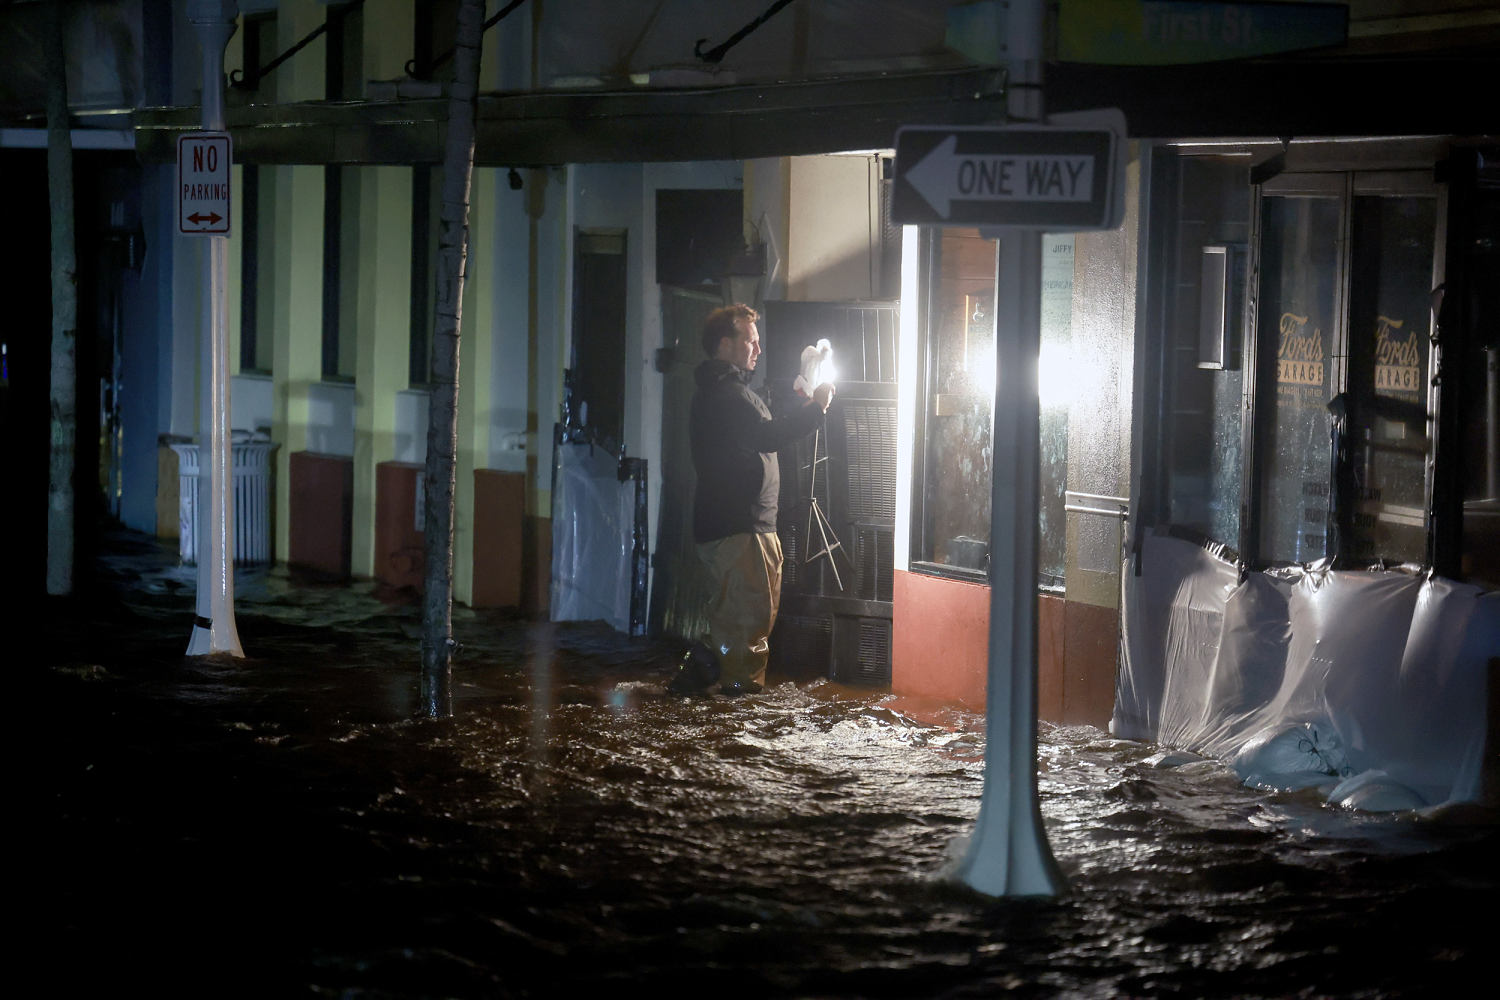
x,y
198,220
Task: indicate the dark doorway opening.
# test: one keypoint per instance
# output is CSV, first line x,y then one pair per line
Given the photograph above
x,y
597,374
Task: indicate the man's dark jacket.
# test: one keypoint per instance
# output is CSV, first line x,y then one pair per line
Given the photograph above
x,y
734,439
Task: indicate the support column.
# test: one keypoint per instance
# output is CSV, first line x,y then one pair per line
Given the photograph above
x,y
384,323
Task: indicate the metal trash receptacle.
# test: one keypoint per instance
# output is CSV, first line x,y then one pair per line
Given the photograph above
x,y
250,472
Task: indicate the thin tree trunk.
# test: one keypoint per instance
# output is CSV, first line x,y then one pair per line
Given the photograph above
x,y
64,420
442,426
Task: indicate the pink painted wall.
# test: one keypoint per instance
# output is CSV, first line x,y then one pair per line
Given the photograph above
x,y
940,643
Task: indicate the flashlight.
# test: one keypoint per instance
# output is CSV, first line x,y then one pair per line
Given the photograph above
x,y
817,367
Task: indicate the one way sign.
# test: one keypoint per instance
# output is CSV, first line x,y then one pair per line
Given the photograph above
x,y
1050,177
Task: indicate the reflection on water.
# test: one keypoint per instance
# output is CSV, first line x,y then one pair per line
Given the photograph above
x,y
283,824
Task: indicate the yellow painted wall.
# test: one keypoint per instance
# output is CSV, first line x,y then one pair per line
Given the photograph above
x,y
382,322
476,341
297,323
384,325
297,358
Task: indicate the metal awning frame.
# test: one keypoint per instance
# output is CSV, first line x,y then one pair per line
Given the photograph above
x,y
587,126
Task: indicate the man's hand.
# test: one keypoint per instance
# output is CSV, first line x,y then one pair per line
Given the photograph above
x,y
823,395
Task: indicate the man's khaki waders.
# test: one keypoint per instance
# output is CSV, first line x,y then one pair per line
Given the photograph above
x,y
746,574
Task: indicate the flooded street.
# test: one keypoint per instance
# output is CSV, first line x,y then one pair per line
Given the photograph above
x,y
285,825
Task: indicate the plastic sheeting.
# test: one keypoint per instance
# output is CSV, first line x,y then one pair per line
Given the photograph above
x,y
1370,686
598,538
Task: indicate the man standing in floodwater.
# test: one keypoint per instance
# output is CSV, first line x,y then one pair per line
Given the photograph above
x,y
734,441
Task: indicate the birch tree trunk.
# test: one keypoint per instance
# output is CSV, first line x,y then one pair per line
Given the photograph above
x,y
64,405
442,427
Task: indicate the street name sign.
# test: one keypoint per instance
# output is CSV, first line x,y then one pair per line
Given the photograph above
x,y
1057,178
1176,32
203,183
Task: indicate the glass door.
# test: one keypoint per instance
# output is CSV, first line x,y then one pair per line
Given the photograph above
x,y
1386,471
1341,444
1296,366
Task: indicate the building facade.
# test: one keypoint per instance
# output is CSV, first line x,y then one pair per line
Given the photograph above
x,y
1248,363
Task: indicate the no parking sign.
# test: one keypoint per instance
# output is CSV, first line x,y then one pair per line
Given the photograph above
x,y
203,183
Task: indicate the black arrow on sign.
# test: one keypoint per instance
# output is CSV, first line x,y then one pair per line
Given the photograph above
x,y
211,218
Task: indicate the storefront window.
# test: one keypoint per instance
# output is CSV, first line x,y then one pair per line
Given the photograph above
x,y
1202,406
955,458
1056,375
959,393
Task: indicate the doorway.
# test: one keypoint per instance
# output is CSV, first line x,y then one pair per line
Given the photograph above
x,y
596,377
1338,442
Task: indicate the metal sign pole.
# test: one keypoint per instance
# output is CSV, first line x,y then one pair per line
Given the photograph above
x,y
1008,853
214,627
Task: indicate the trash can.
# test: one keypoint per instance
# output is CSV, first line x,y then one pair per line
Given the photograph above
x,y
250,472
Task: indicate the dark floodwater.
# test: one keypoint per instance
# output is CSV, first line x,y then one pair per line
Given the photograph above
x,y
283,825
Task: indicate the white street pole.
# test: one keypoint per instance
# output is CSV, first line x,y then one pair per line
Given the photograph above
x,y
214,629
1008,854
